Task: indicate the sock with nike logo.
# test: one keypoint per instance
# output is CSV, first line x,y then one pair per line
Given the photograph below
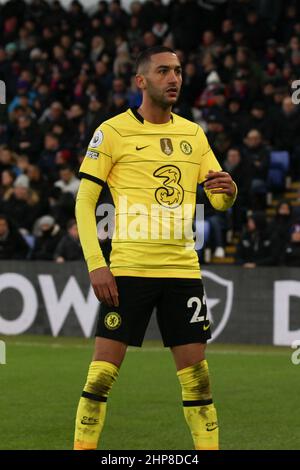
x,y
198,407
91,410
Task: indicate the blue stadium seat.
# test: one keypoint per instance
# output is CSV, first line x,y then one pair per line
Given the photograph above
x,y
276,179
280,159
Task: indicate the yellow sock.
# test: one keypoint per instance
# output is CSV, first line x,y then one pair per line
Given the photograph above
x,y
92,404
198,408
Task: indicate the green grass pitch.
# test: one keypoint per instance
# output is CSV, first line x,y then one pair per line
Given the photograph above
x,y
256,391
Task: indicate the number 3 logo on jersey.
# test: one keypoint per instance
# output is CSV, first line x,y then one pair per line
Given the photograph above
x,y
171,194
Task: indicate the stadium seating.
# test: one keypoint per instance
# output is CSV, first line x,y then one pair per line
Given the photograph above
x,y
278,170
276,179
280,159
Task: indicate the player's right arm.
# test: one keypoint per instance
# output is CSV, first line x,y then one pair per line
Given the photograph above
x,y
93,172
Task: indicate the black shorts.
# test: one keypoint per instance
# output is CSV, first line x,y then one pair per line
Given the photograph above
x,y
181,311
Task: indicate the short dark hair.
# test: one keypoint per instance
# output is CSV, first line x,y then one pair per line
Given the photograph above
x,y
145,56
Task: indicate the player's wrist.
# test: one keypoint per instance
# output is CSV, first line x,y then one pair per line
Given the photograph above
x,y
95,262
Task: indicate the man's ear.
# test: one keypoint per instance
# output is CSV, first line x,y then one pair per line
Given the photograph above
x,y
140,81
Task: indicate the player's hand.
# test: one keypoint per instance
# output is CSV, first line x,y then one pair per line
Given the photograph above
x,y
220,182
105,286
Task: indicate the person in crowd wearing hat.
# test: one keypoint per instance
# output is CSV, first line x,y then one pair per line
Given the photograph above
x,y
49,235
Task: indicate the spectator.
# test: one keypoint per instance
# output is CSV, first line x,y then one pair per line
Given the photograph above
x,y
95,115
239,171
236,118
12,244
292,252
47,161
22,164
97,49
68,183
22,206
7,160
257,158
39,183
7,181
285,132
217,136
69,248
286,124
54,114
49,235
255,246
280,231
259,120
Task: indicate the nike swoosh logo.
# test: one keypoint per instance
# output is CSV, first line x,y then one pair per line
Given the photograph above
x,y
206,327
212,429
141,148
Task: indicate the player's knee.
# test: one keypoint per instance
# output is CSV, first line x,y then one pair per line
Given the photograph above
x,y
195,382
101,378
109,351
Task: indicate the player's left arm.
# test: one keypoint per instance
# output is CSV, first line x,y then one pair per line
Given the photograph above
x,y
219,186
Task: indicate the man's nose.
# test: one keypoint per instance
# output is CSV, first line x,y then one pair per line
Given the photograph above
x,y
172,77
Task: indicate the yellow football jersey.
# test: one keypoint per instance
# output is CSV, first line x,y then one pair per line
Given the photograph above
x,y
152,171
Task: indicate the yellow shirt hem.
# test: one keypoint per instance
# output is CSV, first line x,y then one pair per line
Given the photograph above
x,y
175,273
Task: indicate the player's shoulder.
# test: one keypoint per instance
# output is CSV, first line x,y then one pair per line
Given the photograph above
x,y
121,124
184,125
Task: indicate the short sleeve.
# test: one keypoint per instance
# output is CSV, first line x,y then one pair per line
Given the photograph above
x,y
97,162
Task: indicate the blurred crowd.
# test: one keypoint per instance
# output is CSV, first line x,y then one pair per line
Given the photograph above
x,y
67,70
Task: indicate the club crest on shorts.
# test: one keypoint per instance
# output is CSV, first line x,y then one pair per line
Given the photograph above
x,y
97,139
186,147
112,321
166,146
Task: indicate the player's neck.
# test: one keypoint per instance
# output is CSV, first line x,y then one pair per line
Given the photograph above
x,y
155,114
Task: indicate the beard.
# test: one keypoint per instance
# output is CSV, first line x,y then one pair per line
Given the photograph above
x,y
159,98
